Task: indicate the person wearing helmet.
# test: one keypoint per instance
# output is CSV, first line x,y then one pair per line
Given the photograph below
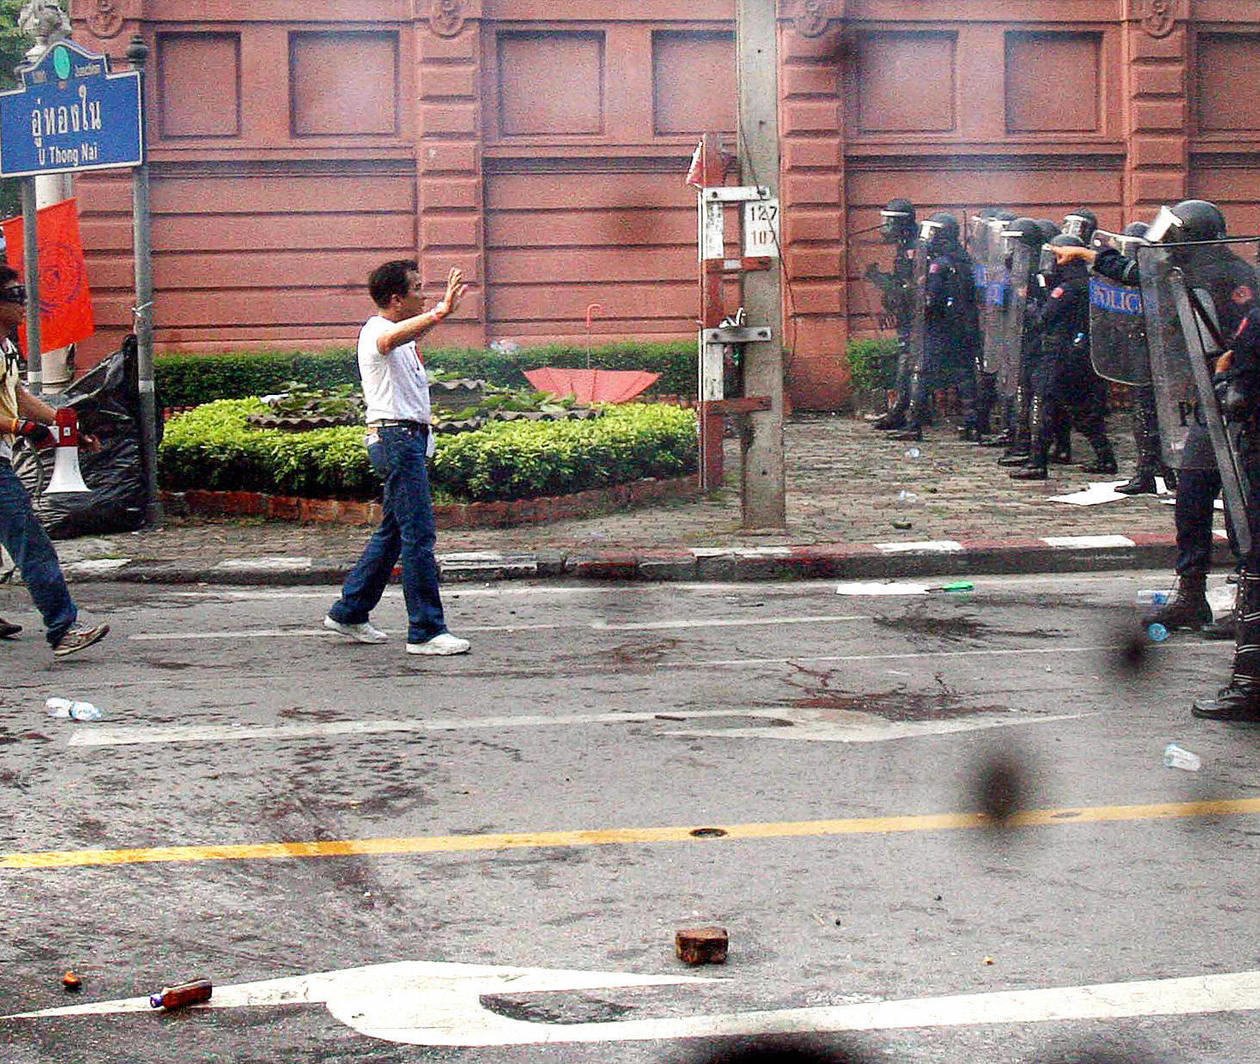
x,y
949,318
1017,440
1065,386
1146,437
1081,223
896,294
1198,477
987,225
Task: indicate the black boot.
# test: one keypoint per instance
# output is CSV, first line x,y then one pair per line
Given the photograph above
x,y
1188,608
1105,458
1240,698
1030,472
912,431
1142,483
8,629
894,419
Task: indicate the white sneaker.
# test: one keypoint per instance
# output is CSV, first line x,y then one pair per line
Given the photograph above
x,y
360,633
440,644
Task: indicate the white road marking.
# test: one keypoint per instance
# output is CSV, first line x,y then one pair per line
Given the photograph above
x,y
811,725
435,1004
927,546
1088,541
750,621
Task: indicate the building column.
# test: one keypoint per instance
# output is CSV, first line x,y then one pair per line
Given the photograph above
x,y
1157,68
450,195
812,192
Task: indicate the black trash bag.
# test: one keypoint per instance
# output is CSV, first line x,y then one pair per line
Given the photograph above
x,y
107,401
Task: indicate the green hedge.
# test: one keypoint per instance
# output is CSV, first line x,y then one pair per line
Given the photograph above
x,y
213,448
190,379
873,363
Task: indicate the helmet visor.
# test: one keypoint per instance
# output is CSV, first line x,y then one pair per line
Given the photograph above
x,y
1047,263
1076,225
1165,229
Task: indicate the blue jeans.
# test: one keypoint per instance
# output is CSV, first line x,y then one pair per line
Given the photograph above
x,y
24,538
407,532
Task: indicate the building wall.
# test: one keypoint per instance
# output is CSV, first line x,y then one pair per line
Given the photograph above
x,y
540,145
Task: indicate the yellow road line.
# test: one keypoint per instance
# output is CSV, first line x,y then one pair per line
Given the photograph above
x,y
621,836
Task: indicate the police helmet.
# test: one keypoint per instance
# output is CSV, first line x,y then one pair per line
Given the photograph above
x,y
1024,231
1049,228
1049,264
1081,222
1189,221
898,221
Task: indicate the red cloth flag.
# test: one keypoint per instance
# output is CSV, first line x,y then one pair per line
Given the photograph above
x,y
65,303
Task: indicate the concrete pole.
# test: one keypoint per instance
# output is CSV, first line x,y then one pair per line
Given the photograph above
x,y
137,54
48,27
763,481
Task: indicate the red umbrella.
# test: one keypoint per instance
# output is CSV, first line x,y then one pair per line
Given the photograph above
x,y
592,385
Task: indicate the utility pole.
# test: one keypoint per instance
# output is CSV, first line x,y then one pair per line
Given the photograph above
x,y
47,24
757,66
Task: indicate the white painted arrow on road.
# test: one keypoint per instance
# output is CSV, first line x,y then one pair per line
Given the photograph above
x,y
436,1004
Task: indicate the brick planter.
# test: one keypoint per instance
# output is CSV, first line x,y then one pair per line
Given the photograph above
x,y
456,515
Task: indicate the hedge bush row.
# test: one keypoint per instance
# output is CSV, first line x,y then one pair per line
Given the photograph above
x,y
213,448
191,379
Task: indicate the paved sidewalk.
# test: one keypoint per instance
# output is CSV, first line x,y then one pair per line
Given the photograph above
x,y
844,518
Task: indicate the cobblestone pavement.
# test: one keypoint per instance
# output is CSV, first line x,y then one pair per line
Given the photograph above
x,y
843,486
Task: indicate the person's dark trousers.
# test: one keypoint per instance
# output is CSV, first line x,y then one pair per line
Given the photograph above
x,y
1196,493
407,532
25,539
986,399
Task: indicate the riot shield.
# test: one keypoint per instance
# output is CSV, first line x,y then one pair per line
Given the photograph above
x,y
1181,297
1117,327
1005,300
917,351
978,243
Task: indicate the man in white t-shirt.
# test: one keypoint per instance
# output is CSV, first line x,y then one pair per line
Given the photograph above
x,y
23,414
400,441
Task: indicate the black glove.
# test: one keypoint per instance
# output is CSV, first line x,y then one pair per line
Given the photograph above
x,y
40,435
1235,403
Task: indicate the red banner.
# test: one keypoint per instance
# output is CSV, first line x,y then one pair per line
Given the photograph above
x,y
65,303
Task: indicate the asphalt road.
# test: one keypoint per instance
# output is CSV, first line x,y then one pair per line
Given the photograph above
x,y
451,847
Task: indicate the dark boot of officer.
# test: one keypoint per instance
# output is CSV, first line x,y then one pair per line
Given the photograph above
x,y
1225,626
1039,444
1240,698
8,629
1188,608
1146,438
1104,457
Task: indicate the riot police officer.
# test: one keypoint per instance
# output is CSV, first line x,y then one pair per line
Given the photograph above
x,y
948,298
1066,389
898,228
1027,238
1231,286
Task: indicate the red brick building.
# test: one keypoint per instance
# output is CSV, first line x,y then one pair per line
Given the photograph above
x,y
540,145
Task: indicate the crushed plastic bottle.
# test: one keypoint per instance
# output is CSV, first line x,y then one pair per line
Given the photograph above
x,y
1178,757
183,995
913,452
1156,632
1150,597
65,707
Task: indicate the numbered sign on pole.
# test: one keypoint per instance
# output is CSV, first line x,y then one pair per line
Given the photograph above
x,y
761,229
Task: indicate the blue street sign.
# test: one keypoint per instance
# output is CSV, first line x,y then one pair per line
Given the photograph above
x,y
71,114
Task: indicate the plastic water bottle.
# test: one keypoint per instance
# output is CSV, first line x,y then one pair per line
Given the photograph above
x,y
1178,757
1156,632
913,452
65,707
1149,597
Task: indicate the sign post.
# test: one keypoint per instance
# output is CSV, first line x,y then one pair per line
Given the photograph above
x,y
72,114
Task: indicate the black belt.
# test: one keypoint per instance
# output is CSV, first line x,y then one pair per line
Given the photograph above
x,y
415,426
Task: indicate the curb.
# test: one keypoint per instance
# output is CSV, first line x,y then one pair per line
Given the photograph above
x,y
849,561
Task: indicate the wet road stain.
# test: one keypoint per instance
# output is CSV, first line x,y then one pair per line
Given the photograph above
x,y
639,653
573,1009
897,706
960,629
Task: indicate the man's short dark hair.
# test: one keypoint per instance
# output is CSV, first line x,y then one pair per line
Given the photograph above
x,y
8,274
390,279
